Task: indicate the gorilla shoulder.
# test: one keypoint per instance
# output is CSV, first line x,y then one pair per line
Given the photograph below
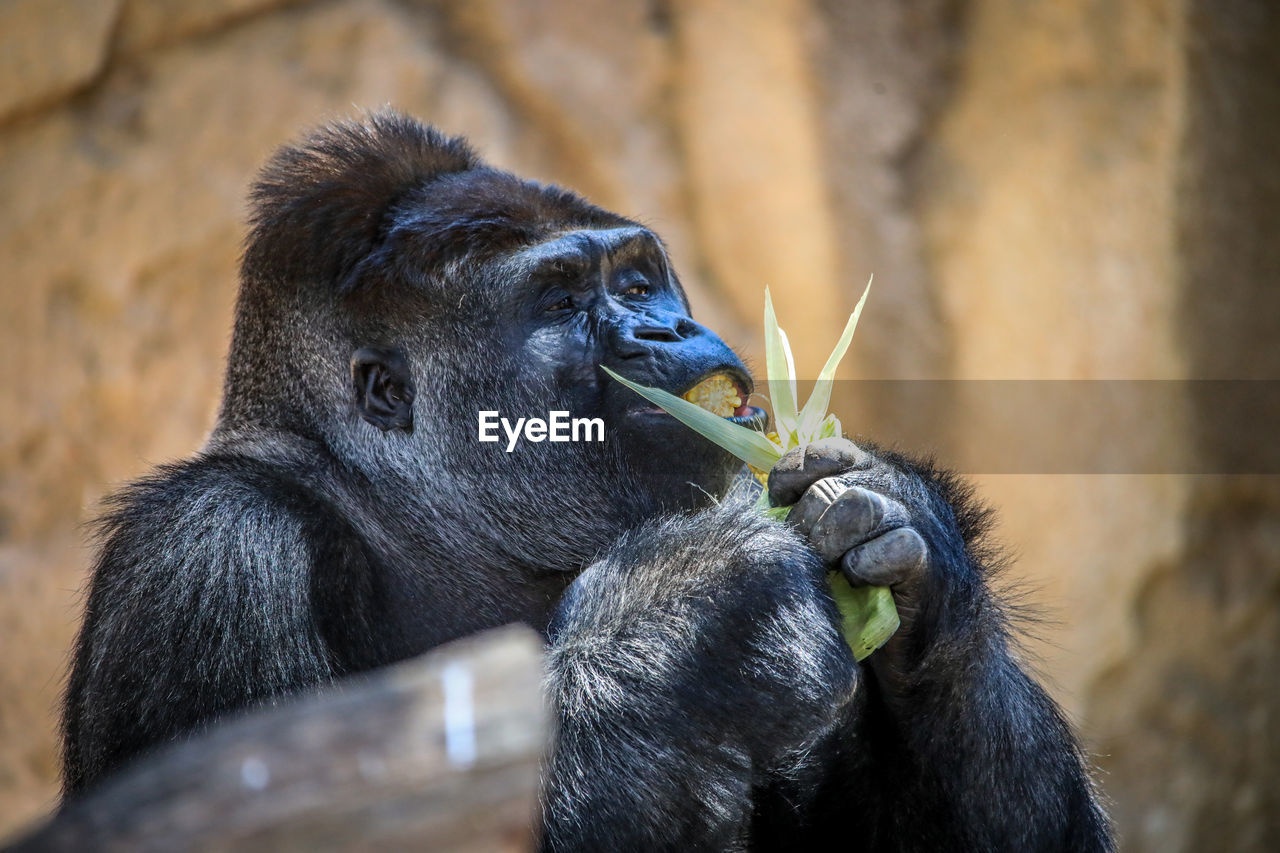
x,y
201,602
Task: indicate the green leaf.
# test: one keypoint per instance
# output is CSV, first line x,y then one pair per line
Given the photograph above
x,y
816,407
743,442
782,375
830,428
868,615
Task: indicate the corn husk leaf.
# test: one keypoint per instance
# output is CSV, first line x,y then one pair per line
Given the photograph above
x,y
815,409
743,442
777,513
781,369
868,616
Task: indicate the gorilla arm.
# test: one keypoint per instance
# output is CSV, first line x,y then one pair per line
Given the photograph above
x,y
960,749
701,652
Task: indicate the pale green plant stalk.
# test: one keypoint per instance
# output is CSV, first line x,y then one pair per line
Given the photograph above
x,y
868,615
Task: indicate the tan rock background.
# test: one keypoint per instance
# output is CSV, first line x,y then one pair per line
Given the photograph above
x,y
1075,189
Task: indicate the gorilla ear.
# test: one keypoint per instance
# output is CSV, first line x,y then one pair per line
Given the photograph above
x,y
321,207
383,389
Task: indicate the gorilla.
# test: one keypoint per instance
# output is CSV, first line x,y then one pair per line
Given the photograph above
x,y
343,515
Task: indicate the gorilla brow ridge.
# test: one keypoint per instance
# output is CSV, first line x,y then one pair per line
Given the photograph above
x,y
485,212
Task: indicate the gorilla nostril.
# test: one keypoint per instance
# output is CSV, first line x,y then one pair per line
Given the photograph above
x,y
657,334
686,328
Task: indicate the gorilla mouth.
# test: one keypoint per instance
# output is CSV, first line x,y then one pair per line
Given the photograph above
x,y
725,395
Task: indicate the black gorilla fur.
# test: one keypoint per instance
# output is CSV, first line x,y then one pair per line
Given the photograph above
x,y
343,516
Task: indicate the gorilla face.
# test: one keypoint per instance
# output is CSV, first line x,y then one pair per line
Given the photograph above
x,y
592,297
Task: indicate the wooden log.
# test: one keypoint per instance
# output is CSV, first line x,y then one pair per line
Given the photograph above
x,y
439,753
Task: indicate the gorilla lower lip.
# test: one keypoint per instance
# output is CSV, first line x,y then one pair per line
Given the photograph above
x,y
750,416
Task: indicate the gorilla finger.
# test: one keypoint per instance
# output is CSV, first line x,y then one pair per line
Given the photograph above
x,y
822,494
800,467
847,521
896,557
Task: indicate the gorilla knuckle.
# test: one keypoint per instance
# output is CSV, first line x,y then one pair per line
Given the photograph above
x,y
835,454
815,501
856,508
898,556
801,467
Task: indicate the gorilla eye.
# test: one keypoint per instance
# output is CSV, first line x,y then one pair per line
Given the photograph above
x,y
637,290
562,305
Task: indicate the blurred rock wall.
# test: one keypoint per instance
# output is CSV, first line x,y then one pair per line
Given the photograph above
x,y
1076,189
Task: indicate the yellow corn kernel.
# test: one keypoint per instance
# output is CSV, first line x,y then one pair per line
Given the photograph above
x,y
717,394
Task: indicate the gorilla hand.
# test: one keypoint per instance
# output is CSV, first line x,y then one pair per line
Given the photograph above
x,y
873,521
964,727
698,659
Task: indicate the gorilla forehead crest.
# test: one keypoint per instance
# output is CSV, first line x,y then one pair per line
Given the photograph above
x,y
326,209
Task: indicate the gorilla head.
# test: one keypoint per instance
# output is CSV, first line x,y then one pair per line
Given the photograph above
x,y
344,513
395,286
